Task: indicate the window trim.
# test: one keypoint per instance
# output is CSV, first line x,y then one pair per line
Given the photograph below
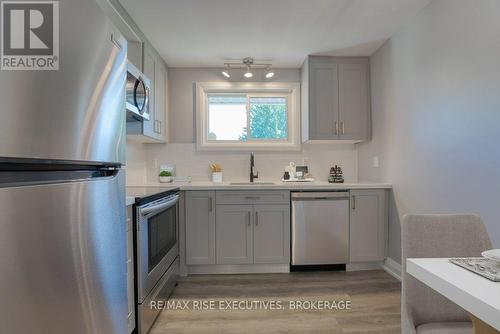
x,y
291,89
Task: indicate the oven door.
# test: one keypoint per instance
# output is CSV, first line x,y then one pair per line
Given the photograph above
x,y
157,242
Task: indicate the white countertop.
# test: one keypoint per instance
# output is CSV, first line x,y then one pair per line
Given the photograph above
x,y
316,185
129,200
477,295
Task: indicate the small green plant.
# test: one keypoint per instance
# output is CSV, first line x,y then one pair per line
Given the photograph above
x,y
165,173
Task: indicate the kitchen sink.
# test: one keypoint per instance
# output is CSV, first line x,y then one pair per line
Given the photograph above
x,y
251,183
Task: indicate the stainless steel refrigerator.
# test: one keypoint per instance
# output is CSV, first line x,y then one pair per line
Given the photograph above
x,y
62,195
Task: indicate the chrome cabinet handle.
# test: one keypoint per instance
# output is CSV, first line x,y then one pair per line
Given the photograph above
x,y
157,127
210,203
249,218
353,202
342,127
336,127
252,197
256,218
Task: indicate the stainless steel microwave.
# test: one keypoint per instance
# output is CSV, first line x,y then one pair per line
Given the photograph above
x,y
138,91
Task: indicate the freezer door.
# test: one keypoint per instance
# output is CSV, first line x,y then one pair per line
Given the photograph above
x,y
320,231
63,258
78,111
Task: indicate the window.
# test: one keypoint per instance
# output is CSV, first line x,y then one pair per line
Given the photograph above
x,y
227,117
247,116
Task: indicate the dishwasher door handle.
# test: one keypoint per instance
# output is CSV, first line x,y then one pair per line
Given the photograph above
x,y
319,195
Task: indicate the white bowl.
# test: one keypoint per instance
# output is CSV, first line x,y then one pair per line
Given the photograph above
x,y
492,254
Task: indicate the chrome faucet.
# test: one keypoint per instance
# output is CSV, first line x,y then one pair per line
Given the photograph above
x,y
252,164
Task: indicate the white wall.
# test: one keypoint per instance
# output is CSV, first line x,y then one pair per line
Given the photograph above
x,y
136,168
436,115
181,107
143,160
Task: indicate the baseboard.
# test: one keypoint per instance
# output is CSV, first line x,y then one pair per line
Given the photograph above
x,y
358,266
238,269
393,268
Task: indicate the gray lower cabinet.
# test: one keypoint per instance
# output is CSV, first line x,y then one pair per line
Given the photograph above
x,y
368,225
258,234
271,234
200,227
234,234
130,270
243,232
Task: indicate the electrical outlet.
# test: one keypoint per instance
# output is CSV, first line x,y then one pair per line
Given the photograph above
x,y
305,161
376,162
155,163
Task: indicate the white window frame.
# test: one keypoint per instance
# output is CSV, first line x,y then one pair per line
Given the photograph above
x,y
289,89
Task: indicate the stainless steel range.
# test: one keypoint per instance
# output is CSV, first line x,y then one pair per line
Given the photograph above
x,y
157,254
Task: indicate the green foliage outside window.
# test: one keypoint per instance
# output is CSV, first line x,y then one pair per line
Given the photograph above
x,y
268,119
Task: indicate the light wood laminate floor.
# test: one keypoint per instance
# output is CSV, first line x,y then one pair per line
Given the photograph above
x,y
374,296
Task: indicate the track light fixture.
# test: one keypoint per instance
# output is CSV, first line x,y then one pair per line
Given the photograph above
x,y
225,72
269,73
248,63
248,74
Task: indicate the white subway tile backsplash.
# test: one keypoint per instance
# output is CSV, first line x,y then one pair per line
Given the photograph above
x,y
270,165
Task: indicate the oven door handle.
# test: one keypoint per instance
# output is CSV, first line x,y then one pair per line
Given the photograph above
x,y
160,207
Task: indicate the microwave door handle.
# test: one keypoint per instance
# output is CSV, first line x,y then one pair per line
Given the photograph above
x,y
146,98
136,86
151,210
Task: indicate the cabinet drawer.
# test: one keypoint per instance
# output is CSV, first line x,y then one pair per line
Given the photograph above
x,y
253,197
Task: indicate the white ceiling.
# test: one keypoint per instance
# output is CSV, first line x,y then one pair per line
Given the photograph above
x,y
202,33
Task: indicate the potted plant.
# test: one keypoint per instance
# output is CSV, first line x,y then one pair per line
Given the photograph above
x,y
165,176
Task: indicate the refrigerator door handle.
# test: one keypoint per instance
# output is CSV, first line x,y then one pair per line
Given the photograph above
x,y
40,173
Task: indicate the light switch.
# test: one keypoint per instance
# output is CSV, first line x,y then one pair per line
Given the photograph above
x,y
375,162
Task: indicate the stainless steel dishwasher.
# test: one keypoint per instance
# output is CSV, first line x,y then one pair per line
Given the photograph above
x,y
320,228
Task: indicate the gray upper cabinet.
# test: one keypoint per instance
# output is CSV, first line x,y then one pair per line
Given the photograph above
x,y
200,227
337,107
271,233
323,99
134,53
160,102
149,71
234,234
146,58
354,115
368,225
155,129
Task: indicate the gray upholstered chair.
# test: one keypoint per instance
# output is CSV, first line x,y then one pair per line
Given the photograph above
x,y
424,311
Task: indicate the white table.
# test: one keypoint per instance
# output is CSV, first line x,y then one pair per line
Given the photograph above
x,y
477,295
